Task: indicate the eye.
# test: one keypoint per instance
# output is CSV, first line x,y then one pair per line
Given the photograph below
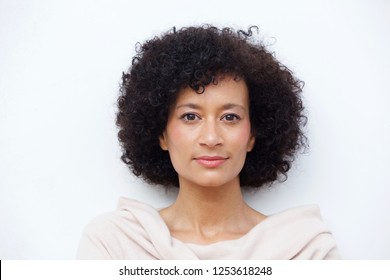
x,y
231,117
189,117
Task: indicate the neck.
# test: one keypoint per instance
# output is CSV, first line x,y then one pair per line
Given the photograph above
x,y
206,210
209,214
210,205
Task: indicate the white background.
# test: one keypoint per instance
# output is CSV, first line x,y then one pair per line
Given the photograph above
x,y
60,67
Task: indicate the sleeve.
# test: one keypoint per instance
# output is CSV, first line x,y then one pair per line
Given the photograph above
x,y
321,247
93,243
332,252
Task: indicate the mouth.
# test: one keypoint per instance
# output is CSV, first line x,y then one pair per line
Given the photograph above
x,y
210,161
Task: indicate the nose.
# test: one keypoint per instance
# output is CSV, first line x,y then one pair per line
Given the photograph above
x,y
210,134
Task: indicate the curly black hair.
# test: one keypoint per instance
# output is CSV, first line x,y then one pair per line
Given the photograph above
x,y
195,57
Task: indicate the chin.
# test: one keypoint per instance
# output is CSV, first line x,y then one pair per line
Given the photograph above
x,y
209,180
212,183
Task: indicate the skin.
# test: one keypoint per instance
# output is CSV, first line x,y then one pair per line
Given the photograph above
x,y
207,137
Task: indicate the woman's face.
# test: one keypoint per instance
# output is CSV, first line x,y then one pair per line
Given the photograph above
x,y
208,135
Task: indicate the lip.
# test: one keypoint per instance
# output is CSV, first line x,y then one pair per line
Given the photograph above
x,y
210,161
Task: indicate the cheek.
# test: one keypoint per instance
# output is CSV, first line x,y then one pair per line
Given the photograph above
x,y
177,135
243,136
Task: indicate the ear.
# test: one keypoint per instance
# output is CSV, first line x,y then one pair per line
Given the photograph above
x,y
163,141
251,143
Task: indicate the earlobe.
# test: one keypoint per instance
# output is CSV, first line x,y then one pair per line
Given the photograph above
x,y
251,144
163,142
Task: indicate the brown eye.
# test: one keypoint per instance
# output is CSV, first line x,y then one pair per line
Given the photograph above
x,y
189,117
231,117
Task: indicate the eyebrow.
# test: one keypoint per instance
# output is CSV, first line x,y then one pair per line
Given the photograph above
x,y
226,106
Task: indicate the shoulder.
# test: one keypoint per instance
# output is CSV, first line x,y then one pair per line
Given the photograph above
x,y
305,233
300,217
111,221
115,234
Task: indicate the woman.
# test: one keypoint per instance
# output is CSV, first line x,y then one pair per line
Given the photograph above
x,y
209,111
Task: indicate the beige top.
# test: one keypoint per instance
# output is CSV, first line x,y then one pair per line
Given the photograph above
x,y
136,231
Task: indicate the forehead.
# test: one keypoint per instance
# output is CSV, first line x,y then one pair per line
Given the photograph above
x,y
226,90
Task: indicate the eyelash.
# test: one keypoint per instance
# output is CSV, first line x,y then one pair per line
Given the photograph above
x,y
236,117
186,115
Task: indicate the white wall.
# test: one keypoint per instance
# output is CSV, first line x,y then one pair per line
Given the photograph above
x,y
60,66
